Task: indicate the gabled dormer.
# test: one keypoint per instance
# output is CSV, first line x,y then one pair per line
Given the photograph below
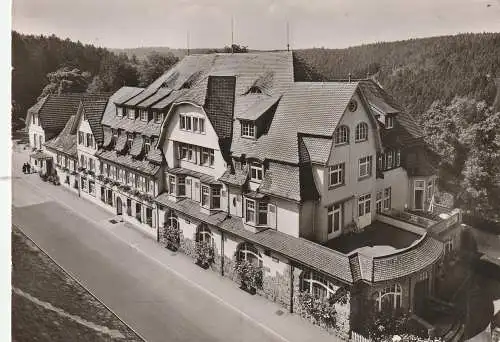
x,y
255,121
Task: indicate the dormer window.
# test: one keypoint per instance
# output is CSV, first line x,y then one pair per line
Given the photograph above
x,y
147,145
256,172
389,122
144,115
247,129
185,122
130,139
130,113
115,134
119,111
158,117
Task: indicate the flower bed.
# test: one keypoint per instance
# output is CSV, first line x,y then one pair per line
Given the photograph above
x,y
172,237
322,312
249,275
204,254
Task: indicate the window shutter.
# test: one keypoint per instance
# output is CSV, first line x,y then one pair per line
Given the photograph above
x,y
271,215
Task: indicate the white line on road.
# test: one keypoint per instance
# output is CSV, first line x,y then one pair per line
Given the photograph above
x,y
192,283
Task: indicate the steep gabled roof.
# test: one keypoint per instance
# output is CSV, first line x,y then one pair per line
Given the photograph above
x,y
65,142
56,110
305,108
93,107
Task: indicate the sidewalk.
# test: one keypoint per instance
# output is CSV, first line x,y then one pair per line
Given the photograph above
x,y
264,313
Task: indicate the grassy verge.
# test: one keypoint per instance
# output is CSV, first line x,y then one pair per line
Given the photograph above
x,y
56,307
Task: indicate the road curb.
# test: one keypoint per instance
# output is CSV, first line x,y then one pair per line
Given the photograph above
x,y
79,283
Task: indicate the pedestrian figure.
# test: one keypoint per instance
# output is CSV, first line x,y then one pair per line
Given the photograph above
x,y
24,168
28,168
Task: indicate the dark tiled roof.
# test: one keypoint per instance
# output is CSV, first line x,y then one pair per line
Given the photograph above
x,y
168,100
121,141
306,252
413,259
142,166
155,154
122,94
65,142
238,177
405,130
56,111
219,104
137,145
204,178
146,93
160,94
39,155
318,149
282,180
93,110
258,108
192,209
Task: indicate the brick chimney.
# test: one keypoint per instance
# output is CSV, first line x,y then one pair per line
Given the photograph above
x,y
496,103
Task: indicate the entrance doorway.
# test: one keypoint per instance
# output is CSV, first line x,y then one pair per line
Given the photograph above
x,y
419,194
364,210
119,209
129,207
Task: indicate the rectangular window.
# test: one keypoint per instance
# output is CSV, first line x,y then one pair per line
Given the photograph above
x,y
247,129
188,123
130,140
389,122
195,124
147,187
171,185
334,218
91,164
263,213
108,170
58,159
89,140
201,125
389,160
364,204
182,185
365,166
191,153
250,211
216,192
157,116
84,184
398,159
387,198
182,121
147,145
130,113
92,188
144,115
336,173
205,196
256,172
378,202
207,156
81,138
212,157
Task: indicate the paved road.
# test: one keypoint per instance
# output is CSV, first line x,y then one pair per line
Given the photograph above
x,y
159,305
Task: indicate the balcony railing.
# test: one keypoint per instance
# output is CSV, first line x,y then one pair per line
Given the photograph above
x,y
410,218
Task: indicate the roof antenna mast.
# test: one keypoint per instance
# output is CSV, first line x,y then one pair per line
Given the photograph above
x,y
232,34
287,36
187,41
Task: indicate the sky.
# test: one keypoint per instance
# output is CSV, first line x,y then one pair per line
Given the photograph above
x,y
258,24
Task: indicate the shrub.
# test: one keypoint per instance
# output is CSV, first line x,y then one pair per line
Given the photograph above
x,y
172,237
204,253
249,275
321,311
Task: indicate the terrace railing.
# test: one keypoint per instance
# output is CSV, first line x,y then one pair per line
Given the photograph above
x,y
410,218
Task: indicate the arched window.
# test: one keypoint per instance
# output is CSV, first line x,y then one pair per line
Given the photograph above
x,y
248,252
317,285
172,220
362,131
342,135
389,298
204,234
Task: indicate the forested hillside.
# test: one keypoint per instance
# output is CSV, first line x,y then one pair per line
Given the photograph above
x,y
48,64
418,71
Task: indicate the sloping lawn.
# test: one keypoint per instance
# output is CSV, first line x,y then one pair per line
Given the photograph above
x,y
49,305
